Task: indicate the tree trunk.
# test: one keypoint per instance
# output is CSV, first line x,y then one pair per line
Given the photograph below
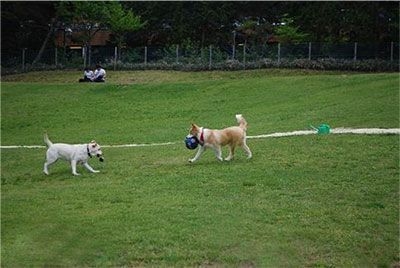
x,y
49,34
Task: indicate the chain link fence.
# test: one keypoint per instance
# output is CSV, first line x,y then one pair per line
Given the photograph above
x,y
321,56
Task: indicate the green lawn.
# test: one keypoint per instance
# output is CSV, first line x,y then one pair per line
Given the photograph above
x,y
330,200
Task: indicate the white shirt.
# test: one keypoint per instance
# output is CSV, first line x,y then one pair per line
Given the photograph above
x,y
99,72
89,74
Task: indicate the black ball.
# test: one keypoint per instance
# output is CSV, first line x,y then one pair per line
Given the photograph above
x,y
191,142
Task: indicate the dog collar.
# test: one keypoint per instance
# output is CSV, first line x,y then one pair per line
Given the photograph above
x,y
88,152
201,141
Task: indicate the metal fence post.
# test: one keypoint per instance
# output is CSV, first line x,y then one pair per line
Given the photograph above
x,y
84,56
23,59
244,54
145,55
391,51
355,51
55,57
89,54
309,51
279,53
210,59
115,58
234,45
177,53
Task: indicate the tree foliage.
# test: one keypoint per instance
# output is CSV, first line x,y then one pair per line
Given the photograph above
x,y
91,17
344,21
26,24
288,32
122,21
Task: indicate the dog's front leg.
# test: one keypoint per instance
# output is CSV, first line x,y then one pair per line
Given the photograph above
x,y
73,166
198,154
86,165
247,150
218,153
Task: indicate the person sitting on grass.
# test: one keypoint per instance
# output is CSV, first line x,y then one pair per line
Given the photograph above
x,y
88,75
99,74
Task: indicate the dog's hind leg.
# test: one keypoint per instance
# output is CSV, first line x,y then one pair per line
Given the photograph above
x,y
231,153
49,160
45,167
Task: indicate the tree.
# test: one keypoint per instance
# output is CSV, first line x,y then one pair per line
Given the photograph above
x,y
121,22
288,33
28,24
202,22
91,17
25,25
344,21
46,40
83,16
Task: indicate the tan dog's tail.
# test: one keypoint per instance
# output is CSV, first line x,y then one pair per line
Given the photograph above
x,y
241,121
46,140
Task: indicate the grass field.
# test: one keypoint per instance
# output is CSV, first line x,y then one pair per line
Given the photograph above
x,y
329,200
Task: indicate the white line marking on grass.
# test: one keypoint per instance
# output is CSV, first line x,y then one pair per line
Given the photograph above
x,y
138,145
368,131
103,146
22,146
283,134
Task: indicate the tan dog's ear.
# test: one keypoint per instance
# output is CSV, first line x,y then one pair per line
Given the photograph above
x,y
194,128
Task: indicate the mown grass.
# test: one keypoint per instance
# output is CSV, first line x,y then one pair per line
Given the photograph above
x,y
162,111
301,201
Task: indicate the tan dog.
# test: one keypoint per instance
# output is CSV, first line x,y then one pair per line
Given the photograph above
x,y
213,138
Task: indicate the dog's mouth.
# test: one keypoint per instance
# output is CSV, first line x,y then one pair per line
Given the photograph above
x,y
101,158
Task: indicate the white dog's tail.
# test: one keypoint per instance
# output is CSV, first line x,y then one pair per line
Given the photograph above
x,y
46,140
242,122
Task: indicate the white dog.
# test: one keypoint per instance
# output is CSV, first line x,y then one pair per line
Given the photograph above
x,y
74,153
215,138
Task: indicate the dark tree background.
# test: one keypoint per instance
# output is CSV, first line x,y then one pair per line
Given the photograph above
x,y
201,23
25,24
